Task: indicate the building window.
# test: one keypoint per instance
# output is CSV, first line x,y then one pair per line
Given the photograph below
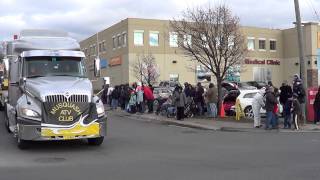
x,y
93,49
114,42
174,77
250,44
154,38
262,74
187,40
104,46
120,41
138,37
262,44
173,39
273,45
100,47
124,37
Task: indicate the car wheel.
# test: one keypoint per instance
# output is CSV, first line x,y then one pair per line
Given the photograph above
x,y
248,112
95,141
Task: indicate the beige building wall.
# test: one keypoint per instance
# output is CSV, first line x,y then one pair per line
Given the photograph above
x,y
171,60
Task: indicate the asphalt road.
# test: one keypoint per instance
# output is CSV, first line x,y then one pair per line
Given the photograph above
x,y
138,150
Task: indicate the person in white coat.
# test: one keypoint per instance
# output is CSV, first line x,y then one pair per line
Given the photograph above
x,y
258,103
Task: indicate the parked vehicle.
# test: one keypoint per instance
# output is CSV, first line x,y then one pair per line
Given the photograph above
x,y
229,86
169,84
257,84
244,86
229,102
50,96
246,97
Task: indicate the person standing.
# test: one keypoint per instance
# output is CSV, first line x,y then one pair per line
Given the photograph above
x,y
199,100
271,101
132,102
316,107
180,101
298,89
212,98
140,99
285,93
148,93
296,111
115,95
109,97
287,113
104,96
258,103
275,122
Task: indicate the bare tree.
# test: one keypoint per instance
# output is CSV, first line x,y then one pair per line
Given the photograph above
x,y
212,37
145,69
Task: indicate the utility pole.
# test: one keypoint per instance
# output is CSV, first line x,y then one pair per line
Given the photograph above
x,y
301,54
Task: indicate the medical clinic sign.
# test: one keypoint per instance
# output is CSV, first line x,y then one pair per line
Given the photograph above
x,y
262,62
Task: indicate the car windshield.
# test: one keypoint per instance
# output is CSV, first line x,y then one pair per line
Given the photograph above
x,y
54,66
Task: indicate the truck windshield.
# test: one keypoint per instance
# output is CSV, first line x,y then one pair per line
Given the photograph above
x,y
53,66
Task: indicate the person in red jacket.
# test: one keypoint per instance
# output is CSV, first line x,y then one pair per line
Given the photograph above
x,y
148,93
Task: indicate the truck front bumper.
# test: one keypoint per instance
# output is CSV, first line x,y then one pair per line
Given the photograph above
x,y
35,131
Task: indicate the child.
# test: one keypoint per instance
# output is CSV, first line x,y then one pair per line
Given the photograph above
x,y
287,114
296,110
132,102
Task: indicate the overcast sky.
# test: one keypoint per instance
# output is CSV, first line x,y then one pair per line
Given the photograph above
x,y
82,18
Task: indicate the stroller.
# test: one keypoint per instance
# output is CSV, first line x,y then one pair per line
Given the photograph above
x,y
189,110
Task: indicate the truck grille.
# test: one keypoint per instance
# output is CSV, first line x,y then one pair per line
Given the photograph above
x,y
62,98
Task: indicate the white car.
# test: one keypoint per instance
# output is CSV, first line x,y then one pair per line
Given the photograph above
x,y
246,98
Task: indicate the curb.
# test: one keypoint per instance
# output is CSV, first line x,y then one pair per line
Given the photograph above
x,y
157,119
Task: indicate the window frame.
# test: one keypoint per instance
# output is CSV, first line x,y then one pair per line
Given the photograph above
x,y
254,43
172,43
134,38
265,44
157,33
114,41
275,45
124,37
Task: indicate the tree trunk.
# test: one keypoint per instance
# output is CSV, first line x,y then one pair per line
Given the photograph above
x,y
220,98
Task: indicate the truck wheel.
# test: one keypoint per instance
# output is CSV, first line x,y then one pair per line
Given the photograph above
x,y
95,141
22,144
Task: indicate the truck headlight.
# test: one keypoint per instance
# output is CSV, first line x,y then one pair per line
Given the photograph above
x,y
30,113
100,109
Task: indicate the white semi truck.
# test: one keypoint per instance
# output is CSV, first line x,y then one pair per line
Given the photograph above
x,y
49,94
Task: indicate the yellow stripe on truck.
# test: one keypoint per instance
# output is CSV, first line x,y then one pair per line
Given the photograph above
x,y
71,133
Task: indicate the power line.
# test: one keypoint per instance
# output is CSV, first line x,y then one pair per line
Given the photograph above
x,y
314,9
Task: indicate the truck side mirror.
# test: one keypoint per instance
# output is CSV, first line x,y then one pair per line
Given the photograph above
x,y
97,67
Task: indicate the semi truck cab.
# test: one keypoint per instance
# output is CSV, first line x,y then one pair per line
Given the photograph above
x,y
49,94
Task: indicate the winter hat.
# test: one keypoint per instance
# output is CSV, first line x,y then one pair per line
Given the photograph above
x,y
262,90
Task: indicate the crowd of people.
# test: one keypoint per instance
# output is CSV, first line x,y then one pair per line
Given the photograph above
x,y
183,102
291,98
190,100
130,98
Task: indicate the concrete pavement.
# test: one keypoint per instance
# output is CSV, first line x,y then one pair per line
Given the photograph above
x,y
138,150
218,124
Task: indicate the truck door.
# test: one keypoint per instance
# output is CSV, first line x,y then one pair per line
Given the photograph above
x,y
14,91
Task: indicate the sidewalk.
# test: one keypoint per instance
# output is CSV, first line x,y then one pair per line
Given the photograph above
x,y
218,124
